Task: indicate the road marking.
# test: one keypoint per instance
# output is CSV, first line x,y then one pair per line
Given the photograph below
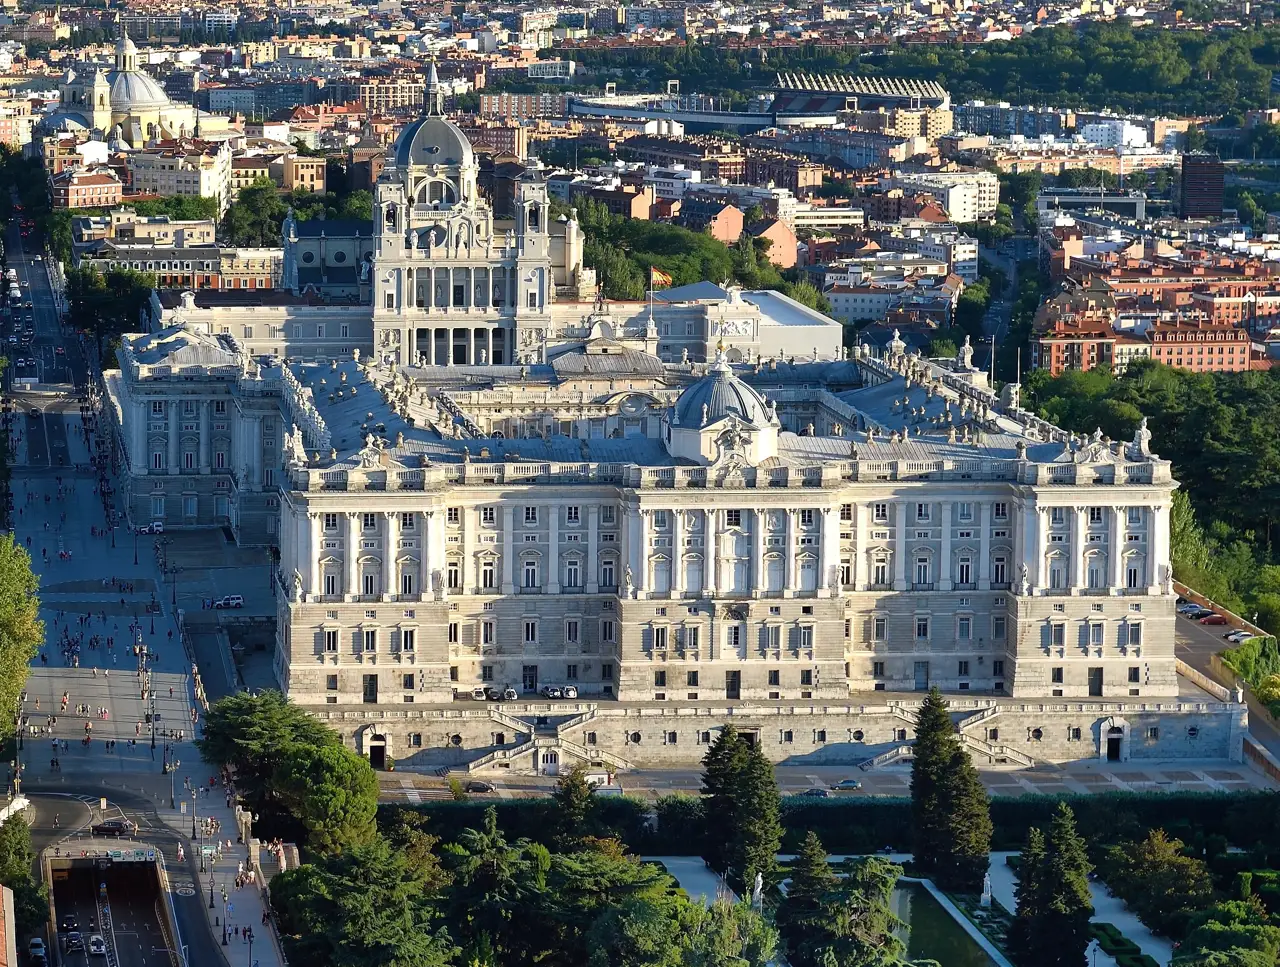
x,y
185,891
410,793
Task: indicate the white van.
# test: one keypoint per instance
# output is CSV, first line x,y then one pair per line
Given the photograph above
x,y
230,601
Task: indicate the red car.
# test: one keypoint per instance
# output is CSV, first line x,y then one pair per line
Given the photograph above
x,y
1213,619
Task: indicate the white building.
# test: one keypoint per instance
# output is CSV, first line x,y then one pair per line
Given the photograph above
x,y
966,195
797,545
201,169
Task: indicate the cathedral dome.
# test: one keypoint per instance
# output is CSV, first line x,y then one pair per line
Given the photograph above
x,y
432,141
722,394
133,89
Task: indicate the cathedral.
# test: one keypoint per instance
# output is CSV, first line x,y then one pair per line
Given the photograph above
x,y
125,104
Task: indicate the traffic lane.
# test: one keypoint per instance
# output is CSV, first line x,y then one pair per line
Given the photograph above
x,y
37,441
55,425
133,894
1196,644
74,896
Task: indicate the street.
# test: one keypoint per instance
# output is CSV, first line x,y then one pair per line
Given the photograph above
x,y
109,702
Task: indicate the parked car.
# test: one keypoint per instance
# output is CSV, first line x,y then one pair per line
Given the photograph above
x,y
1197,613
1184,606
59,351
36,947
155,527
552,691
97,946
507,694
1239,635
817,792
477,785
847,784
1213,619
230,601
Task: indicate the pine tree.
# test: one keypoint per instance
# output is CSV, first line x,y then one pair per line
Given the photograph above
x,y
934,746
757,825
1064,928
966,824
1024,933
1051,927
811,880
722,765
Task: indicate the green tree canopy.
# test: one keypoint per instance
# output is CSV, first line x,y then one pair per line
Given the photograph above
x,y
333,791
21,630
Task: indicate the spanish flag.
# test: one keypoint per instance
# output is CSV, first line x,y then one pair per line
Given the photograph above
x,y
657,277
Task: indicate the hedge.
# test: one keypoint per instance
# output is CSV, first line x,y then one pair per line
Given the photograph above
x,y
1111,940
867,824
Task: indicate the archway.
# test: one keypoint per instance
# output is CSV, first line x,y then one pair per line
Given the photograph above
x,y
1113,740
378,750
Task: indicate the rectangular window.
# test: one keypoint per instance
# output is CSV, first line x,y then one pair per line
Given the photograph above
x,y
963,669
488,575
880,628
997,667
331,683
530,574
488,515
733,518
806,518
406,681
877,669
572,574
331,522
922,627
964,627
1001,510
965,511
806,676
1097,632
331,640
922,512
369,521
531,632
1135,635
486,633
880,573
453,632
880,512
660,679
1135,674
1056,676
408,639
606,630
571,515
691,679
406,521
1134,515
531,515
371,639
571,631
1095,515
1057,515
1058,634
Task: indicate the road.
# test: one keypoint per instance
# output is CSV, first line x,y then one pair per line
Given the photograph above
x,y
90,629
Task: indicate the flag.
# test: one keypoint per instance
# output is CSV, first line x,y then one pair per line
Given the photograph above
x,y
657,277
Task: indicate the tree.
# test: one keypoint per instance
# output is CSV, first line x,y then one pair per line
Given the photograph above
x,y
950,808
757,821
21,630
255,217
17,858
334,792
1162,885
856,925
811,880
254,736
933,751
363,908
742,809
572,799
1024,936
1054,905
729,935
723,763
1242,928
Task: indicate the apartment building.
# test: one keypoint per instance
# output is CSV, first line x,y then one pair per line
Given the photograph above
x,y
95,187
184,167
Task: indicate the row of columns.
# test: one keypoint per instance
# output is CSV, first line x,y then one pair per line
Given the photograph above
x,y
1156,548
430,558
175,420
478,345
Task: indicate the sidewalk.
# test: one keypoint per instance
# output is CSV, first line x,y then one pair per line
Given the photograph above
x,y
244,905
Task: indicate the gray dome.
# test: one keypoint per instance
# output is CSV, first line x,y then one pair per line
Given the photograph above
x,y
723,394
135,91
432,140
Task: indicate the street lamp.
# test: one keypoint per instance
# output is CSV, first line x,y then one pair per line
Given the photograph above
x,y
135,545
193,826
224,916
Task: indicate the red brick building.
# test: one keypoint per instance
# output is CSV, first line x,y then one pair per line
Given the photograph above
x,y
86,188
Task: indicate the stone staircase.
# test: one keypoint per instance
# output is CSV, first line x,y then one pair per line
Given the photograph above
x,y
888,757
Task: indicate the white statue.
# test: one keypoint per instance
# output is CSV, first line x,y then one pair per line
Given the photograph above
x,y
1024,580
986,890
757,892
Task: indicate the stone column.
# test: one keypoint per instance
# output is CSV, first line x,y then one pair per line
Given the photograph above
x,y
139,453
1158,538
859,547
984,546
1115,552
711,560
643,584
508,549
900,545
425,556
829,559
175,431
553,549
390,579
1039,569
944,556
789,589
350,556
592,577
758,582
470,519
1079,525
315,550
677,552
206,436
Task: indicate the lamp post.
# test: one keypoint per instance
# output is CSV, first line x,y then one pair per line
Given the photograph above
x,y
224,916
193,826
113,535
135,545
